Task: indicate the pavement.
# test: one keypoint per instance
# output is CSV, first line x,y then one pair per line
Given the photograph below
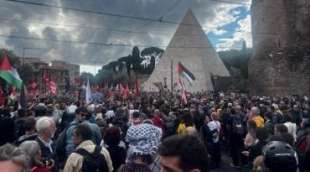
x,y
225,166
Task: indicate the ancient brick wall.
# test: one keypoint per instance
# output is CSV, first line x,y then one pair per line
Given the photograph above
x,y
281,40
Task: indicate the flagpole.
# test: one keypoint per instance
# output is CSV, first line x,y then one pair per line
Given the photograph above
x,y
171,68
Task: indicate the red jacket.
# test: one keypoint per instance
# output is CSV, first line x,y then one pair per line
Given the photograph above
x,y
40,169
158,122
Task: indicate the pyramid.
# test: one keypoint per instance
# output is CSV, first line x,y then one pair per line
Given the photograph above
x,y
191,47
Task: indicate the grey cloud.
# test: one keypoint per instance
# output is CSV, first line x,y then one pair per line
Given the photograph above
x,y
171,10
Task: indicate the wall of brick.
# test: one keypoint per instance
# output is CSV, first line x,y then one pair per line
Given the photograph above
x,y
281,42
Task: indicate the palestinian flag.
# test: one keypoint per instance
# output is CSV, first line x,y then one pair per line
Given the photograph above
x,y
183,71
53,87
9,73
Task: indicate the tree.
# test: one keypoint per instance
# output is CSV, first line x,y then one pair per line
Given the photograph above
x,y
88,76
237,60
131,64
135,54
151,50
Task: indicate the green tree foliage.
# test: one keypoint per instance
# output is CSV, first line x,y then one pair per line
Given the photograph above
x,y
124,66
88,76
135,60
236,61
151,50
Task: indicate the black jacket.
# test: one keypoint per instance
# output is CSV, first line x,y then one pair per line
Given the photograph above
x,y
256,150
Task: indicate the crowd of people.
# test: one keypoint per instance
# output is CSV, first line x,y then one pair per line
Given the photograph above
x,y
157,132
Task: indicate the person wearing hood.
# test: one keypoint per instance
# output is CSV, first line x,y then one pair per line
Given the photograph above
x,y
81,116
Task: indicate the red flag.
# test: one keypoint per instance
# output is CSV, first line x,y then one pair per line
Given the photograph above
x,y
46,78
110,93
126,92
32,88
5,65
33,85
183,91
53,87
137,88
183,96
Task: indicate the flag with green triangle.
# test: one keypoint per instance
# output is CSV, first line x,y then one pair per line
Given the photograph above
x,y
9,73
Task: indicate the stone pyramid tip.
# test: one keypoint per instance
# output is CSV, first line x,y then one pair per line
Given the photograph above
x,y
189,17
189,11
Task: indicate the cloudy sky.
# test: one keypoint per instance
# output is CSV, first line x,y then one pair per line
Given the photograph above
x,y
95,32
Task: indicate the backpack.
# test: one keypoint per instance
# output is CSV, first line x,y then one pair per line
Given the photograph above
x,y
93,162
237,126
60,145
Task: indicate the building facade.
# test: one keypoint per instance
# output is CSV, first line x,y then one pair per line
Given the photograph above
x,y
62,73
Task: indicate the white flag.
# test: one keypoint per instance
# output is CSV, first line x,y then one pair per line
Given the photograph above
x,y
88,93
